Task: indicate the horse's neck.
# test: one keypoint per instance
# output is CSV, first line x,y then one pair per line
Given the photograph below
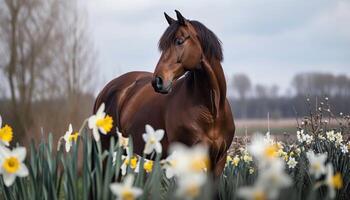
x,y
204,81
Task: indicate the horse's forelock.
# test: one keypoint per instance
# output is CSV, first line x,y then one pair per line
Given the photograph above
x,y
210,43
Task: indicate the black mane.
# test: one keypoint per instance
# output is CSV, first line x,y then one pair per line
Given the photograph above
x,y
210,43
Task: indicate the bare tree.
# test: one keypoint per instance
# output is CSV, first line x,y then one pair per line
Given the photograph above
x,y
242,84
46,51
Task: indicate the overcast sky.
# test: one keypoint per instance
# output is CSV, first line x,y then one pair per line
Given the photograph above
x,y
269,40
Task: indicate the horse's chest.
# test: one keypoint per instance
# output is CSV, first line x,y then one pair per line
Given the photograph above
x,y
191,125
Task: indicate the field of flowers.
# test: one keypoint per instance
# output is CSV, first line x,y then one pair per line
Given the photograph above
x,y
315,165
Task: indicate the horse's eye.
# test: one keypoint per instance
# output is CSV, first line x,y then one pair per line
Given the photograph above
x,y
179,41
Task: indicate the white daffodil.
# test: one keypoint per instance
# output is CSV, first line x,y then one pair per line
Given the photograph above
x,y
276,178
344,148
292,163
236,160
122,141
152,139
189,159
333,181
100,122
6,134
189,187
255,192
170,165
317,167
263,150
247,158
125,190
338,138
69,138
330,136
11,164
304,137
130,161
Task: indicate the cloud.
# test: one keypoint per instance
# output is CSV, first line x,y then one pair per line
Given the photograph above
x,y
283,38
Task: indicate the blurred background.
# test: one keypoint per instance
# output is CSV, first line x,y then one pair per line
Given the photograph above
x,y
55,55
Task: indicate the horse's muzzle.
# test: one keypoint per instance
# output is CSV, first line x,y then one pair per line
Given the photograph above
x,y
159,85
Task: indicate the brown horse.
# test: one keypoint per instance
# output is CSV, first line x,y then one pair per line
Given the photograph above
x,y
185,96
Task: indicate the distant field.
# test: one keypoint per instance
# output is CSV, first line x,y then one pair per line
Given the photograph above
x,y
277,126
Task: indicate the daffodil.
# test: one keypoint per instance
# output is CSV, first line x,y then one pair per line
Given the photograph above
x,y
344,148
333,181
148,166
189,187
292,163
100,122
338,138
228,159
130,161
122,141
190,159
235,161
304,137
70,137
330,135
125,190
11,164
317,167
247,158
263,150
170,165
276,178
152,138
6,134
255,192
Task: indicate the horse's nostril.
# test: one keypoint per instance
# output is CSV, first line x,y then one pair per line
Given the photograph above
x,y
159,83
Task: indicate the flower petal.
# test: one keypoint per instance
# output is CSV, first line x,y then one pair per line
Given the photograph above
x,y
68,145
137,191
8,179
145,137
92,121
101,109
22,171
20,153
149,129
116,188
129,180
158,147
159,134
96,134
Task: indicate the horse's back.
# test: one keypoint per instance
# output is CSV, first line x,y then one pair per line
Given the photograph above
x,y
114,95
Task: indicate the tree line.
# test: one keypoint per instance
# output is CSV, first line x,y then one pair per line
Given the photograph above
x,y
256,101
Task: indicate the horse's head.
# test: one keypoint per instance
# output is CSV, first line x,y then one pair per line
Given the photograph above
x,y
181,51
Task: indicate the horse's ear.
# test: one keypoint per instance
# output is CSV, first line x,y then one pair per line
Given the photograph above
x,y
169,19
180,18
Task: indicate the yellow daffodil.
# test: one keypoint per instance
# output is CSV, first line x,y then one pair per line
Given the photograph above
x,y
148,166
70,137
317,167
130,161
235,161
6,134
122,141
333,181
100,122
125,190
